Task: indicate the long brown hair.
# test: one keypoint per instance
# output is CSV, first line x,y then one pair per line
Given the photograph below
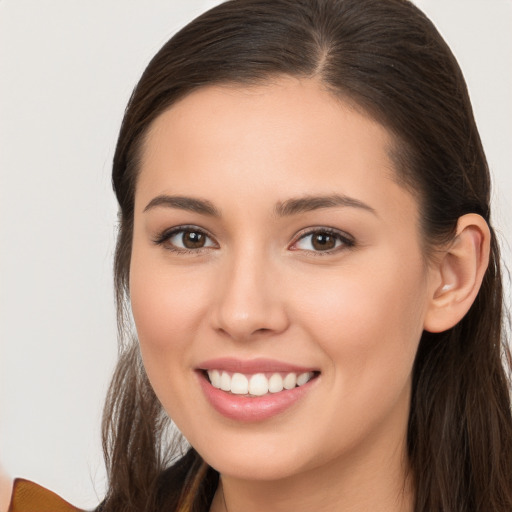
x,y
387,58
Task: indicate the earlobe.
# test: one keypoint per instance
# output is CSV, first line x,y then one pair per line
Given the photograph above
x,y
459,274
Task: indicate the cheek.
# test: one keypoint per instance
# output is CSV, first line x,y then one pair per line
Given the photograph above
x,y
167,307
167,310
368,322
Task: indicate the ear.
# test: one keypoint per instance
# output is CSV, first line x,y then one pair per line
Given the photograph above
x,y
458,274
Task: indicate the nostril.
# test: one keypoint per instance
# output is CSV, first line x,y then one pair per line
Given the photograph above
x,y
262,330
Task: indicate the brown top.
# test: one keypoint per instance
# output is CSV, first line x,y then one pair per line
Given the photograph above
x,y
30,497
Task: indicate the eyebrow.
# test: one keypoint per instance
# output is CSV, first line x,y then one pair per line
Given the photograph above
x,y
310,203
286,208
202,206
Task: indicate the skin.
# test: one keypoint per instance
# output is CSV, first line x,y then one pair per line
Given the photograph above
x,y
257,289
5,490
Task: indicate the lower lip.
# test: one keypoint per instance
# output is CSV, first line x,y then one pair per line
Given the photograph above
x,y
247,409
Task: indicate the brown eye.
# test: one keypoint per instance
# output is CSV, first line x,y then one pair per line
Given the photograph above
x,y
323,241
186,239
193,240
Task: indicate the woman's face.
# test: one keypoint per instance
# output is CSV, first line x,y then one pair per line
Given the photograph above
x,y
273,242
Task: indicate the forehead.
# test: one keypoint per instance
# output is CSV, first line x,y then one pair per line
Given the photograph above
x,y
288,137
291,106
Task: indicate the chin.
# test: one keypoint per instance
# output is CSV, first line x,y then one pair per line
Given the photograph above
x,y
260,458
250,468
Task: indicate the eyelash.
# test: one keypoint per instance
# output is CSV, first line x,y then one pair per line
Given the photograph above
x,y
164,238
346,241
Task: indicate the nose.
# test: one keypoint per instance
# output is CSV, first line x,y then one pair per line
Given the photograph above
x,y
249,302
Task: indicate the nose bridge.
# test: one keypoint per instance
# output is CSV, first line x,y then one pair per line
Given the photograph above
x,y
247,302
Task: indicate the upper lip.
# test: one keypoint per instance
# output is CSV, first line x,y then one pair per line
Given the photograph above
x,y
259,365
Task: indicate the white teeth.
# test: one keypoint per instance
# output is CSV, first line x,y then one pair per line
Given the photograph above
x,y
290,381
214,378
239,384
275,383
225,382
257,384
303,378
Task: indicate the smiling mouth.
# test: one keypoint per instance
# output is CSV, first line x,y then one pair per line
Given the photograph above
x,y
257,384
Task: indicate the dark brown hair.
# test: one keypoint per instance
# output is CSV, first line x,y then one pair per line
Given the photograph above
x,y
387,58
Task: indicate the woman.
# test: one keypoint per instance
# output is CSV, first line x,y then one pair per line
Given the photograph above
x,y
306,247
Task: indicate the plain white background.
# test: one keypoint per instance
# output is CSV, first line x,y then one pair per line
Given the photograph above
x,y
67,68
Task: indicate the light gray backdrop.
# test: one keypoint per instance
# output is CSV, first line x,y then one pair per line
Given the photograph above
x,y
67,68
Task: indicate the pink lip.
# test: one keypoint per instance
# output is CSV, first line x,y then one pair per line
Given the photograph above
x,y
251,409
260,365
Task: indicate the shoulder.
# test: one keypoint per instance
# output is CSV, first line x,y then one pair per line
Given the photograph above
x,y
30,497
